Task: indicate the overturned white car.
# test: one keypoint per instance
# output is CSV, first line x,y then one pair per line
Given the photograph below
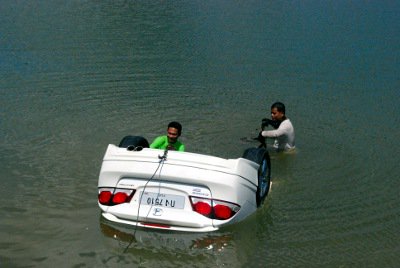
x,y
180,191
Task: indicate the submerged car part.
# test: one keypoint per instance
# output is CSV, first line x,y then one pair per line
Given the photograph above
x,y
180,190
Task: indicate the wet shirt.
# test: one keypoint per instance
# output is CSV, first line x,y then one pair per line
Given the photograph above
x,y
284,136
162,143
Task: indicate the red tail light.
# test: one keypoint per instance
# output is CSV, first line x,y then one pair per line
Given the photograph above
x,y
105,197
214,209
120,198
203,208
222,212
111,196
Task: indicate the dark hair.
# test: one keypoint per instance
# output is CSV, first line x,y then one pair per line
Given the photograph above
x,y
176,125
279,106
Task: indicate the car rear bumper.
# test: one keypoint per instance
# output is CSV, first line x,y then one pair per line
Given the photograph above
x,y
182,175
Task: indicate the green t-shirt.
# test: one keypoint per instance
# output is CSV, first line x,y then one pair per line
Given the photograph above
x,y
162,143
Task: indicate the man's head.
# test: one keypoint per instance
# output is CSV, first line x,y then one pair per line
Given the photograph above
x,y
174,131
278,111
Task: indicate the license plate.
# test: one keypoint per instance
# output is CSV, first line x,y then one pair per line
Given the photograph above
x,y
163,200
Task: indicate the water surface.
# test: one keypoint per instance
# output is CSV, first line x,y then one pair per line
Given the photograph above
x,y
78,75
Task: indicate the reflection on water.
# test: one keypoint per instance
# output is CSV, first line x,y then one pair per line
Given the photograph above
x,y
160,240
234,246
151,248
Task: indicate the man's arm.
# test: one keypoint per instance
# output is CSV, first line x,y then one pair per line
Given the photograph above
x,y
282,130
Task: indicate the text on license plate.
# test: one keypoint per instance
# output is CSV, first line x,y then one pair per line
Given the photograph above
x,y
163,200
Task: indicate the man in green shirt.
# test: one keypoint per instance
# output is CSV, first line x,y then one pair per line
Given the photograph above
x,y
170,140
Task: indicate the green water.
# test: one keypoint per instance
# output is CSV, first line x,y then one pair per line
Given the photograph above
x,y
78,75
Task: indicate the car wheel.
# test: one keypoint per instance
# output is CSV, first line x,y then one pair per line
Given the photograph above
x,y
134,143
261,157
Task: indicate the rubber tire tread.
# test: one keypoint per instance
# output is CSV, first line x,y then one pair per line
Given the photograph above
x,y
258,155
136,141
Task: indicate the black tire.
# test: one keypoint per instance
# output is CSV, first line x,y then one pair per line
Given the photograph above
x,y
134,143
261,157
